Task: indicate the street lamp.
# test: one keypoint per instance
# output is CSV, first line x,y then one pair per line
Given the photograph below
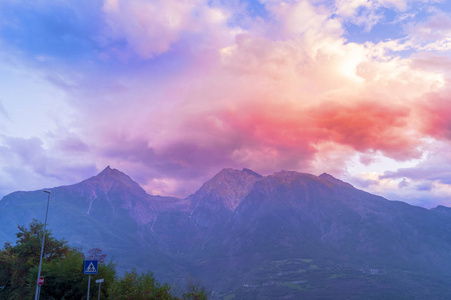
x,y
38,290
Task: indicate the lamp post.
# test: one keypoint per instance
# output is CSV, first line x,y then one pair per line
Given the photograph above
x,y
38,290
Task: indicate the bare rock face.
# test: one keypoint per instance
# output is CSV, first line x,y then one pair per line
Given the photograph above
x,y
216,200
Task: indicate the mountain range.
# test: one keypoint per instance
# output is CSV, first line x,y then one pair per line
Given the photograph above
x,y
288,235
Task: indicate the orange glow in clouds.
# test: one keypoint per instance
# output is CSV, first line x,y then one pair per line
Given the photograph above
x,y
170,92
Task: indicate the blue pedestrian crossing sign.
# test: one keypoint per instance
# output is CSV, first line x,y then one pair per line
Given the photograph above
x,y
90,267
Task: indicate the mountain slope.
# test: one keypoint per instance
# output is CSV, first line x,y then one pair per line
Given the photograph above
x,y
107,211
249,236
289,219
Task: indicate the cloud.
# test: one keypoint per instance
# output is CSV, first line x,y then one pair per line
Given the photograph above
x,y
302,17
435,110
434,167
150,28
173,91
264,101
368,125
361,13
436,27
35,165
437,63
73,144
428,179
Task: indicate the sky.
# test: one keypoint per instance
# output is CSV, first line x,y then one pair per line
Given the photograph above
x,y
172,91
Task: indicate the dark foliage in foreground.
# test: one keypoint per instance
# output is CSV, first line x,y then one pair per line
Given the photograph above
x,y
64,278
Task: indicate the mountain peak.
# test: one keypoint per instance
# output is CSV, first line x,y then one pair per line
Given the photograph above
x,y
228,175
444,210
108,171
287,177
110,177
333,180
250,172
227,172
230,187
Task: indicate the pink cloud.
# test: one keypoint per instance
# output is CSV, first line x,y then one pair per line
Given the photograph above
x,y
435,110
194,92
433,62
267,105
368,125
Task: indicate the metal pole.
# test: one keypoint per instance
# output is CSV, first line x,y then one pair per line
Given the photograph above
x,y
89,283
38,290
99,289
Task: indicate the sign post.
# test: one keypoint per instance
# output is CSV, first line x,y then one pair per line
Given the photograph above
x,y
99,281
89,283
89,267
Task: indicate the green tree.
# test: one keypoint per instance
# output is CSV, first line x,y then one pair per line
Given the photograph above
x,y
7,259
140,287
137,287
63,273
195,293
64,278
17,261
